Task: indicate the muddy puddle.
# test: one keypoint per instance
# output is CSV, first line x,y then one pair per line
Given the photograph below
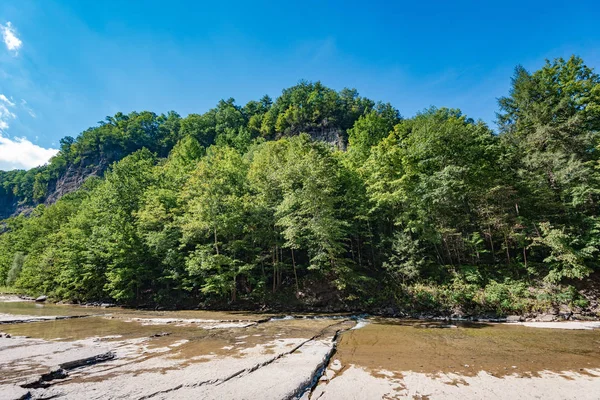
x,y
468,348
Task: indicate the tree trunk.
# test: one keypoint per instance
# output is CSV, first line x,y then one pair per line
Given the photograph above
x,y
440,256
295,273
492,242
358,251
372,248
274,271
507,250
216,243
234,289
447,250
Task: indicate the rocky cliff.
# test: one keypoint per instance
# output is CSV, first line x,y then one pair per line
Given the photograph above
x,y
73,178
70,180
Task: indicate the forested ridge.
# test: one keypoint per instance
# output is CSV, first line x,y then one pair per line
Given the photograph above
x,y
323,198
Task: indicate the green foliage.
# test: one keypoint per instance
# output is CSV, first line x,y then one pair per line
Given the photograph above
x,y
566,258
370,129
15,268
407,258
312,107
261,203
504,298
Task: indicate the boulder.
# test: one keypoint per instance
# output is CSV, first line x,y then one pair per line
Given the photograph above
x,y
564,309
547,318
160,334
515,318
41,299
43,381
565,312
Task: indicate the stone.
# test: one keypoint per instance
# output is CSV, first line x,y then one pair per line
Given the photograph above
x,y
565,312
564,309
41,299
42,381
546,318
160,334
88,361
515,318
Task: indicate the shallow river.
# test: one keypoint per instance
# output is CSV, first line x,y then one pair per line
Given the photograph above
x,y
53,351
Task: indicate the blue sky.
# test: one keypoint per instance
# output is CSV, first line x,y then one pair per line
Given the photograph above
x,y
64,65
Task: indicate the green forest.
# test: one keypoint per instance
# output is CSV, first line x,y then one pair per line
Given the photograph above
x,y
323,198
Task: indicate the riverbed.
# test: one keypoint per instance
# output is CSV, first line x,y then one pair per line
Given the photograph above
x,y
74,352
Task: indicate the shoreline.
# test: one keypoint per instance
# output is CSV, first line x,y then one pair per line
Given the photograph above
x,y
123,353
543,321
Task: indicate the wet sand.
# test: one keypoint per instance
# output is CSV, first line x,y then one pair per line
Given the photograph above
x,y
222,355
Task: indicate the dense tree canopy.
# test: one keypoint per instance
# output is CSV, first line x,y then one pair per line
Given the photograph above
x,y
324,197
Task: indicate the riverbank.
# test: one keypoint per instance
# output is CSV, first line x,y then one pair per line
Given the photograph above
x,y
115,353
558,314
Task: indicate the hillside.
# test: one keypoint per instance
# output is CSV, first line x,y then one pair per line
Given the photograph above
x,y
312,108
322,199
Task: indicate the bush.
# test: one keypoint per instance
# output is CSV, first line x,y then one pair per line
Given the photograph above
x,y
570,296
425,297
15,270
504,298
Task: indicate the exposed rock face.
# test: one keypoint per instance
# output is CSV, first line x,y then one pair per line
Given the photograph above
x,y
74,177
312,357
69,181
76,174
274,359
333,136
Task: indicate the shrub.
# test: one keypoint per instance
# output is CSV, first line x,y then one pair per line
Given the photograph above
x,y
15,269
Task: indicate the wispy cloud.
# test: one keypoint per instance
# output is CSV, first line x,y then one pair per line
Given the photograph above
x,y
20,153
5,99
9,36
5,113
29,110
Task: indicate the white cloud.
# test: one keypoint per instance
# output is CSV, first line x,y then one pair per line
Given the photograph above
x,y
9,35
5,113
4,99
20,153
29,110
